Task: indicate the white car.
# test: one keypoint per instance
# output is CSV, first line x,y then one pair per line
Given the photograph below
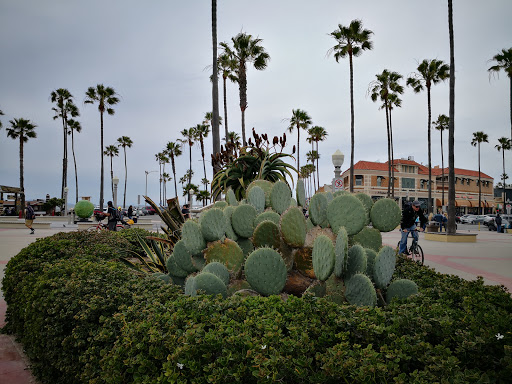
x,y
467,219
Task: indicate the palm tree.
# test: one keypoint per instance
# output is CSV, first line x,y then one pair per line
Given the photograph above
x,y
189,137
234,138
394,101
503,145
165,178
202,131
246,49
313,156
300,120
386,89
162,159
190,190
106,97
21,129
452,227
1,114
441,124
351,41
478,138
173,150
74,126
64,109
227,66
111,150
203,196
504,61
125,141
317,134
430,72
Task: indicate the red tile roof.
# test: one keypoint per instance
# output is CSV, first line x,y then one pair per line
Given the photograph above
x,y
371,166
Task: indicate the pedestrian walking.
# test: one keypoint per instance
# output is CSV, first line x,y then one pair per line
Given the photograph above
x,y
498,222
29,217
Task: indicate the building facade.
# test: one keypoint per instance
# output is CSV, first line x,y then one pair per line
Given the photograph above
x,y
411,183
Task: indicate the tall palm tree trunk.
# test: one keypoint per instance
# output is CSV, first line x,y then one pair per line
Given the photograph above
x,y
317,167
351,124
74,162
215,85
298,148
511,108
451,130
479,184
429,156
225,108
125,177
442,166
102,164
22,179
204,163
174,174
504,180
243,97
64,158
112,176
190,175
389,149
392,156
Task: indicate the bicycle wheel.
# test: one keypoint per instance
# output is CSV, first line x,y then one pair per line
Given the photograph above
x,y
417,253
94,228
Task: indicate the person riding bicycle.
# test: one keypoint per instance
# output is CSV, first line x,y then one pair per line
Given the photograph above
x,y
112,217
408,224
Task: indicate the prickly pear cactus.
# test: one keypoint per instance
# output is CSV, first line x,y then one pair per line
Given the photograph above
x,y
245,245
220,204
280,197
228,253
210,284
318,209
192,237
340,252
304,261
401,289
266,234
267,215
293,202
346,211
367,203
317,289
300,193
356,261
230,233
323,257
385,215
218,270
198,261
256,198
183,257
231,198
369,238
173,268
360,291
293,227
162,276
384,267
213,224
265,185
237,285
370,258
190,286
242,220
265,271
334,289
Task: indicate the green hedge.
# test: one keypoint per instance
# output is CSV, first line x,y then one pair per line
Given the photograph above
x,y
85,318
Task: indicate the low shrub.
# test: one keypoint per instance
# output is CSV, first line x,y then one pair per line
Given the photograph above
x,y
84,318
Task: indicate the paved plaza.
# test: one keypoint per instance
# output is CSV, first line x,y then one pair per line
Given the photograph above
x,y
490,257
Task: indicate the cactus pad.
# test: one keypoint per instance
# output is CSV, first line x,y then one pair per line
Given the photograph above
x,y
242,220
228,253
303,260
246,245
220,204
230,234
267,215
367,203
356,261
385,215
213,224
218,270
265,271
231,198
190,286
401,289
316,289
384,267
323,257
173,268
198,261
237,285
334,289
370,261
346,211
265,185
293,227
266,234
192,236
360,291
256,198
312,234
210,284
280,197
300,194
183,257
340,252
162,276
318,209
369,238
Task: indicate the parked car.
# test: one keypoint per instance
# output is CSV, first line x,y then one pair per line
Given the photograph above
x,y
488,218
477,219
150,210
457,219
466,219
504,224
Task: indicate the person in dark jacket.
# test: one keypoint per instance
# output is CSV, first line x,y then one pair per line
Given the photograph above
x,y
112,217
408,224
498,222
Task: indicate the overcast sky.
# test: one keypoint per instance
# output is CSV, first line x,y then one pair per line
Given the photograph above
x,y
154,54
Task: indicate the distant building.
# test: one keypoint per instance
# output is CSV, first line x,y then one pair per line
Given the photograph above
x,y
411,183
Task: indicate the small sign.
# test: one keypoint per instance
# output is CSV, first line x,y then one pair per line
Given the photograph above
x,y
11,197
338,184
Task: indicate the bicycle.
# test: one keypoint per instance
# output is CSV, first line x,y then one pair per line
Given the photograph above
x,y
415,250
104,227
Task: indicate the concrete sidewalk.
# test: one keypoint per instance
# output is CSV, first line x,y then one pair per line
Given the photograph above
x,y
490,257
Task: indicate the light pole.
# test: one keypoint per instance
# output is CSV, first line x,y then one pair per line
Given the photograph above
x,y
115,180
147,173
337,160
66,190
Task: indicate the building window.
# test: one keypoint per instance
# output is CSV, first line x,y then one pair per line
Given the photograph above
x,y
379,181
408,183
468,181
359,180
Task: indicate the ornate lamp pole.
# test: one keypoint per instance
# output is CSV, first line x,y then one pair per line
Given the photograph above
x,y
337,160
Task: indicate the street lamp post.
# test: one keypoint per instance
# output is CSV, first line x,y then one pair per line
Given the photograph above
x,y
337,160
66,190
115,180
147,173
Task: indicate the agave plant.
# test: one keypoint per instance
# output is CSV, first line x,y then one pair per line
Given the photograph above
x,y
155,256
261,160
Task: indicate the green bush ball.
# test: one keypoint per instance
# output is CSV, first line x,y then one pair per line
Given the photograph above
x,y
84,209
